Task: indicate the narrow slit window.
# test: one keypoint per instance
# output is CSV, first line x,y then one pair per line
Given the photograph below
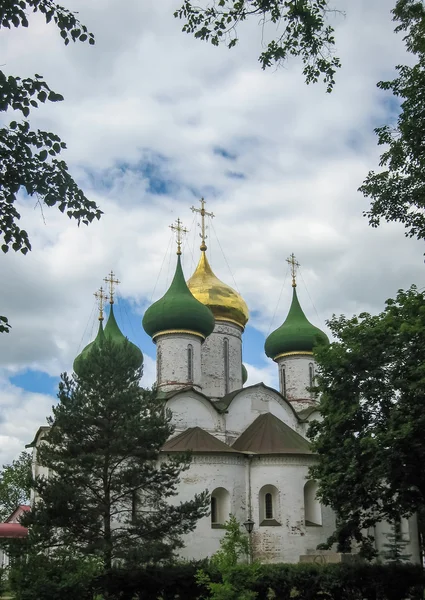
x,y
311,374
283,380
190,362
268,503
226,365
158,366
213,509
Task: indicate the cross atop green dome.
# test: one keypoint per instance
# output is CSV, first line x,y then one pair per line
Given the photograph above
x,y
178,311
296,334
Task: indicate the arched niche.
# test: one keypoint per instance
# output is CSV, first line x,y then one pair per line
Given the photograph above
x,y
312,506
220,507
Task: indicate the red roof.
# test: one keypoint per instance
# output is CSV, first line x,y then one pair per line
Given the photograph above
x,y
12,530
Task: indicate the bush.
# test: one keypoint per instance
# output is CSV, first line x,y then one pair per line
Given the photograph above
x,y
60,576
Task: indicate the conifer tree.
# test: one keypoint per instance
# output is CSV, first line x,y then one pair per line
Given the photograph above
x,y
108,492
395,547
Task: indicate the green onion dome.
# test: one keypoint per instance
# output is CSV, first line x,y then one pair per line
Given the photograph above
x,y
83,354
111,332
296,336
178,311
244,374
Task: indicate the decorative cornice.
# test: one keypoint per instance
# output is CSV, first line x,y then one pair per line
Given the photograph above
x,y
291,459
297,353
226,320
173,331
216,459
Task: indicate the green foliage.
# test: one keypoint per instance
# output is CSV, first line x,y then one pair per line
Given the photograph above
x,y
170,581
304,31
15,482
398,192
62,575
370,443
29,158
395,546
234,547
106,494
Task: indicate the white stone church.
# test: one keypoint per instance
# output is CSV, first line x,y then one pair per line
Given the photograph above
x,y
249,444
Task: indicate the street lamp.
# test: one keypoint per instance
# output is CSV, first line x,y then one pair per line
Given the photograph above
x,y
249,526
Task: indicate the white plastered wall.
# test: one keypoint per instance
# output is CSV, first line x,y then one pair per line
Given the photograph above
x,y
190,409
253,401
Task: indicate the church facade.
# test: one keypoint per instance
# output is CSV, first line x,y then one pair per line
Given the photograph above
x,y
249,443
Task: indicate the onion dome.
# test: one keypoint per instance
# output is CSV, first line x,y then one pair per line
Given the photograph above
x,y
83,354
178,311
244,374
221,299
296,336
113,333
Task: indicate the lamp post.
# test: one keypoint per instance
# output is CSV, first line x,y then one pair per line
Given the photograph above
x,y
249,526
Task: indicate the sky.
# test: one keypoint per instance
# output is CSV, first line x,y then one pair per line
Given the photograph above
x,y
153,120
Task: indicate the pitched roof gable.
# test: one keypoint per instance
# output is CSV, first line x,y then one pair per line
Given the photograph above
x,y
195,439
269,435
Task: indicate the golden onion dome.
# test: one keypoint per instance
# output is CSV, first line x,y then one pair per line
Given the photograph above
x,y
221,299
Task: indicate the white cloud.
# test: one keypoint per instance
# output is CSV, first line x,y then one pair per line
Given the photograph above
x,y
149,102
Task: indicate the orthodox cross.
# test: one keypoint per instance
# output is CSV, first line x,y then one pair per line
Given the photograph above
x,y
112,282
101,298
179,230
203,214
294,264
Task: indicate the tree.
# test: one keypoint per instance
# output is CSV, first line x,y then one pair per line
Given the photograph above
x,y
304,29
234,547
395,546
109,492
15,482
29,159
398,192
370,443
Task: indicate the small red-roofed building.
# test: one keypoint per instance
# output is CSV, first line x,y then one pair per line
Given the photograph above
x,y
12,529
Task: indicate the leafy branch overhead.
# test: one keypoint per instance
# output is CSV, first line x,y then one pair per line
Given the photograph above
x,y
397,193
303,25
29,158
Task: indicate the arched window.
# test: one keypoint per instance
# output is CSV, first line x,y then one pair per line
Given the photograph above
x,y
190,362
311,374
312,506
226,365
283,380
220,507
269,508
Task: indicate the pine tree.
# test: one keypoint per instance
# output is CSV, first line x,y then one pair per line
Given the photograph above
x,y
109,492
395,546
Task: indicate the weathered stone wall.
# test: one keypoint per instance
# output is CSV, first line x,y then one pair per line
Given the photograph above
x,y
215,383
297,379
172,364
287,536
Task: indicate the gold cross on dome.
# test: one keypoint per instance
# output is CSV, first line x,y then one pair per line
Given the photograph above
x,y
294,264
101,298
179,230
112,282
203,214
